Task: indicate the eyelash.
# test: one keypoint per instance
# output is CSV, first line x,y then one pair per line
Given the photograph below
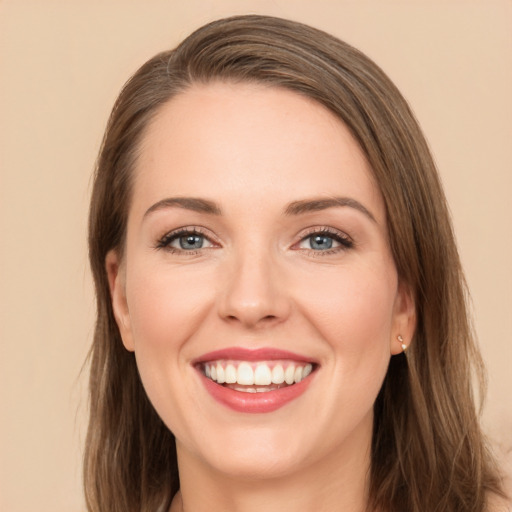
x,y
344,240
167,239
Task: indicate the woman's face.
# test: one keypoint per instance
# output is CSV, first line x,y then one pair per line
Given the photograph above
x,y
256,256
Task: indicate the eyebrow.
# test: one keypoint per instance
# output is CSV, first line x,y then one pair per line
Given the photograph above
x,y
195,204
294,208
316,205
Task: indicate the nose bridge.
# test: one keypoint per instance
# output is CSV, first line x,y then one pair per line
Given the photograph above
x,y
253,293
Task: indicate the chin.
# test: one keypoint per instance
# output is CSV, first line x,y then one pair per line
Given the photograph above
x,y
257,466
253,455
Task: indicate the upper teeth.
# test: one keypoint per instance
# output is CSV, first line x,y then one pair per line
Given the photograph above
x,y
260,374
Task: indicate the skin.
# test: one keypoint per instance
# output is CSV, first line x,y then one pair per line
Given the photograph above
x,y
259,282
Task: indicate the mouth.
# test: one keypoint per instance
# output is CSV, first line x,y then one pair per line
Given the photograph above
x,y
255,381
256,377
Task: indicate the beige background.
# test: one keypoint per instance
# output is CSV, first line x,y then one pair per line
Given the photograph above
x,y
61,66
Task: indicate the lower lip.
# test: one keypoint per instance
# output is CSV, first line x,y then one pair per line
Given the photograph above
x,y
267,401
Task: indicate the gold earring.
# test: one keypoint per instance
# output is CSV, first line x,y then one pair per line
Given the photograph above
x,y
401,340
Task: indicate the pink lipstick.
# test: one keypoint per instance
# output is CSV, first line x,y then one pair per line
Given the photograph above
x,y
255,381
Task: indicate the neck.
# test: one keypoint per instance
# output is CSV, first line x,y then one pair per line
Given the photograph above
x,y
337,481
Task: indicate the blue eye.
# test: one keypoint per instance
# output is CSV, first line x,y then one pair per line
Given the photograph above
x,y
321,242
184,240
325,241
190,242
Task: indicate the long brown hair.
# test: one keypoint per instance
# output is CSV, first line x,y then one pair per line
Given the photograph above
x,y
428,453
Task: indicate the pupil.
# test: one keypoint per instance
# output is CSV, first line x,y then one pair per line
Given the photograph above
x,y
191,242
321,242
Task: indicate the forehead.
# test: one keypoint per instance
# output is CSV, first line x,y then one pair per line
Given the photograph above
x,y
251,140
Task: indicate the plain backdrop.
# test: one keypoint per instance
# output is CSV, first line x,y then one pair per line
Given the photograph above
x,y
62,64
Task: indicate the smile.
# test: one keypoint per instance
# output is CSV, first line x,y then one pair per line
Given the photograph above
x,y
256,377
255,381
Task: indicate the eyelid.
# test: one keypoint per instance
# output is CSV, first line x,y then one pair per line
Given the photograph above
x,y
164,241
341,237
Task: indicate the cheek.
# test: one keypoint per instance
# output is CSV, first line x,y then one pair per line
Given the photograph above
x,y
353,310
353,303
165,306
166,309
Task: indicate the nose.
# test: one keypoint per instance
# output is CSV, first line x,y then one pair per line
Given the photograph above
x,y
254,293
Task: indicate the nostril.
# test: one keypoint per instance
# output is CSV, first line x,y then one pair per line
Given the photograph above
x,y
252,320
266,317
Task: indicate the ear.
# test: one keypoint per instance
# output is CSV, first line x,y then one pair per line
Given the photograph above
x,y
404,319
116,274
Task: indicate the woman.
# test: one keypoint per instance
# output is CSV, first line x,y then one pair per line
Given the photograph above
x,y
281,308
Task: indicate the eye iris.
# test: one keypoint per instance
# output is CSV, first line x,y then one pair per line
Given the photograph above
x,y
188,242
321,242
